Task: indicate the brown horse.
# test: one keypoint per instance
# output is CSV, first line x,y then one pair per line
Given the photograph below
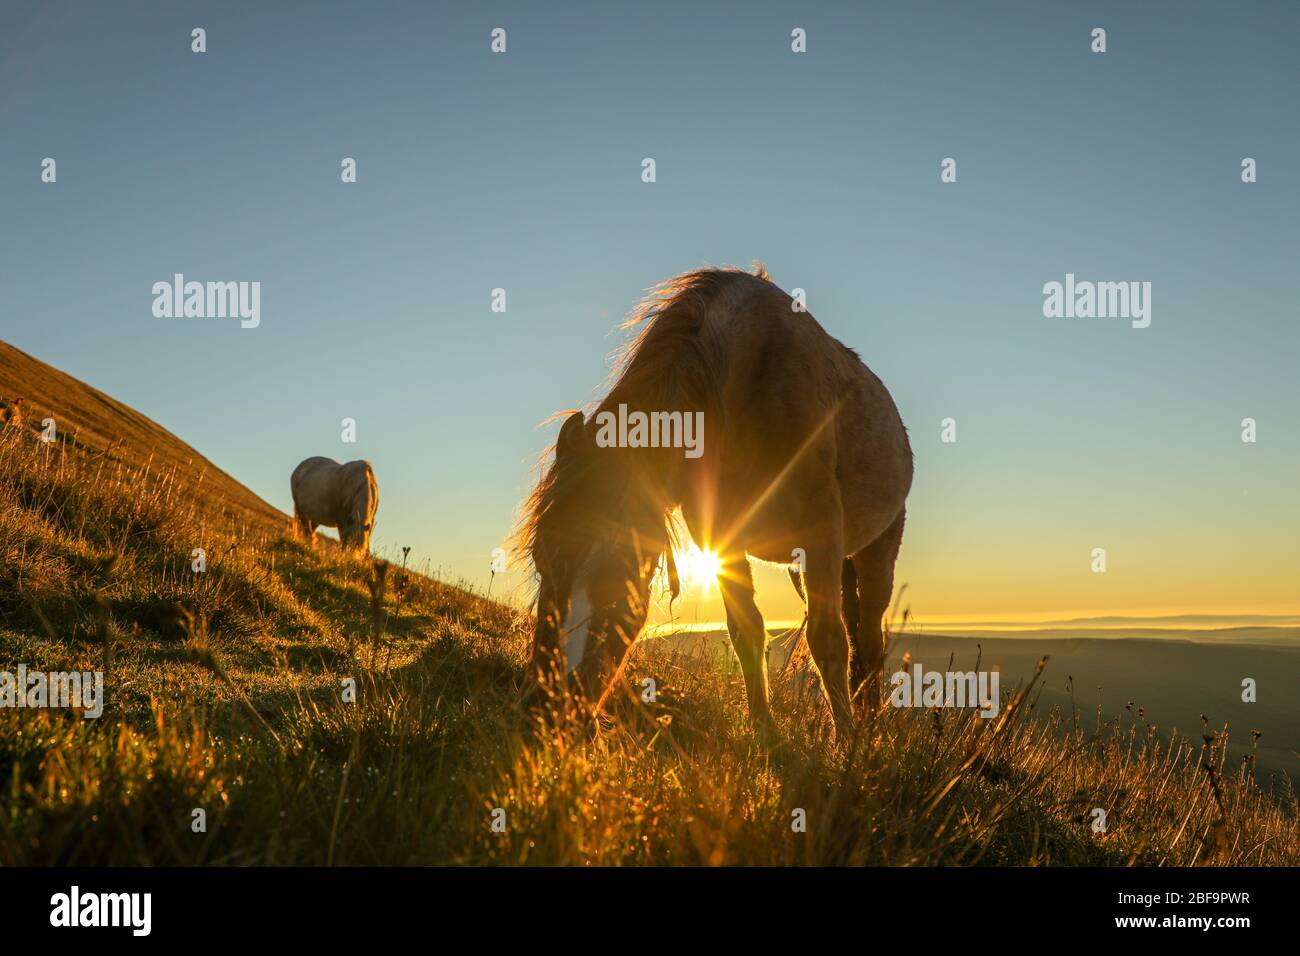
x,y
801,447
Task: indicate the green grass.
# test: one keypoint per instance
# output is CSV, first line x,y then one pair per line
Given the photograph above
x,y
225,694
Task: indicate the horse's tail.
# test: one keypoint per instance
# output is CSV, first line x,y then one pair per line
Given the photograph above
x,y
848,584
849,596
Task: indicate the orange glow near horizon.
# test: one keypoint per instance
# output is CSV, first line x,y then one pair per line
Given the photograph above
x,y
700,606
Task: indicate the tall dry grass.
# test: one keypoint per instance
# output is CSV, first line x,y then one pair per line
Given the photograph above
x,y
226,694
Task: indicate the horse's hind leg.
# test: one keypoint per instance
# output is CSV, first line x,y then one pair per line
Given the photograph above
x,y
306,529
749,638
827,638
874,567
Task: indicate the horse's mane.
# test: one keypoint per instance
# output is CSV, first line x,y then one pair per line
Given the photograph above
x,y
665,364
666,323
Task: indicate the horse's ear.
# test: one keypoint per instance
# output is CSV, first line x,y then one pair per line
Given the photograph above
x,y
570,439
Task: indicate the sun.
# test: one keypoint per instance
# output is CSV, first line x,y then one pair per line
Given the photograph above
x,y
698,568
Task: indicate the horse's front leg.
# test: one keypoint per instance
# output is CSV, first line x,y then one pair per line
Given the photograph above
x,y
749,638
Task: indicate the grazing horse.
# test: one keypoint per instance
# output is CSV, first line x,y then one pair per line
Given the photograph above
x,y
337,496
802,447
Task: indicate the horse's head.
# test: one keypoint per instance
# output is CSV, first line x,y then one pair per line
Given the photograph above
x,y
357,519
354,531
597,535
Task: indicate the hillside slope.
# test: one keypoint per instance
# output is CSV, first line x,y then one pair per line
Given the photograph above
x,y
93,422
119,543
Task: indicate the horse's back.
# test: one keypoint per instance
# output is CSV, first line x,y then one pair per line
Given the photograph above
x,y
314,485
786,376
312,469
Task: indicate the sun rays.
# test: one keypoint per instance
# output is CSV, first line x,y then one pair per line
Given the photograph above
x,y
699,569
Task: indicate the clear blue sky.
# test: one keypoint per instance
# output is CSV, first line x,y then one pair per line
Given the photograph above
x,y
522,171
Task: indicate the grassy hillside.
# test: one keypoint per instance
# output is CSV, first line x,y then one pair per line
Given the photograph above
x,y
226,694
91,423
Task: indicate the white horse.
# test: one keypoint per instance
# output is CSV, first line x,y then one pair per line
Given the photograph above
x,y
336,496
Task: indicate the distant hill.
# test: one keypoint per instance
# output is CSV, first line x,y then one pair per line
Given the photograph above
x,y
97,423
1164,678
